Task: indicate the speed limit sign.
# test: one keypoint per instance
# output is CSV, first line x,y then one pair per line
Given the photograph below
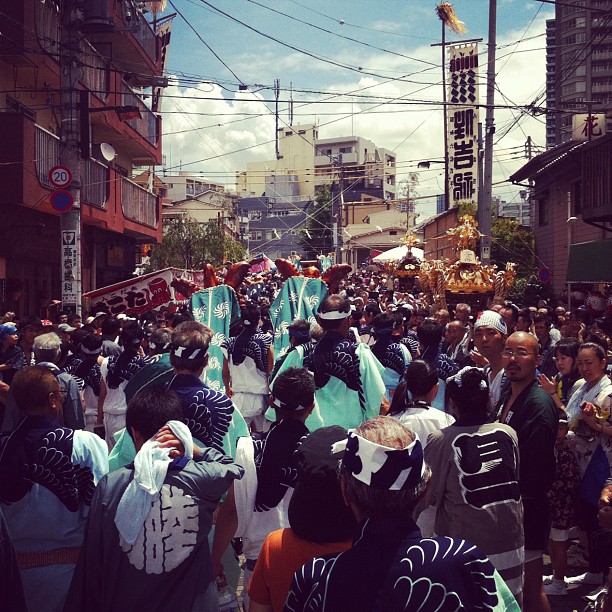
x,y
60,176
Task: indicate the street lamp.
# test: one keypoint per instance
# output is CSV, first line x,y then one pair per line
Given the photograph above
x,y
427,163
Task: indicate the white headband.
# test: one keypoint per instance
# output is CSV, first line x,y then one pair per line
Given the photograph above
x,y
333,315
382,467
186,353
278,404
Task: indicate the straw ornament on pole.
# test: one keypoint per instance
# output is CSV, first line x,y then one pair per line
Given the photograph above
x,y
446,13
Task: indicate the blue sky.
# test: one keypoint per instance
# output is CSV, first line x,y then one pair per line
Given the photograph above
x,y
215,129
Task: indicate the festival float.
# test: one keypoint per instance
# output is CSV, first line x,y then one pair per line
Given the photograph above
x,y
464,278
402,262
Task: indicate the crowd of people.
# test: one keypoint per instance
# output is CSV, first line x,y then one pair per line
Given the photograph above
x,y
394,456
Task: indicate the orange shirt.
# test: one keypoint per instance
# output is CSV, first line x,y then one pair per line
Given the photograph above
x,y
281,555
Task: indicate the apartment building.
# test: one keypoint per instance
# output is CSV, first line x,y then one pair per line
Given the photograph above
x,y
191,195
578,66
119,53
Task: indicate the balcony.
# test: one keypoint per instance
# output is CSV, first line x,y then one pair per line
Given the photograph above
x,y
47,24
96,71
122,27
148,124
95,183
94,175
47,154
142,30
138,204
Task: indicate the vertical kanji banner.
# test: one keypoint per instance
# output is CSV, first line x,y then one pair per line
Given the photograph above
x,y
462,123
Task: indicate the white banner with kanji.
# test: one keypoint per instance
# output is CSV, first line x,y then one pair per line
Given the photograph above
x,y
462,123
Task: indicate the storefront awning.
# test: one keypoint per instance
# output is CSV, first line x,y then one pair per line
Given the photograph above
x,y
590,262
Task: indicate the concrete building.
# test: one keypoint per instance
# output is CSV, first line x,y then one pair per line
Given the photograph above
x,y
295,165
518,210
578,65
189,195
306,161
361,167
120,57
358,173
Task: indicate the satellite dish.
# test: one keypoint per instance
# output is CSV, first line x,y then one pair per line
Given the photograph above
x,y
107,151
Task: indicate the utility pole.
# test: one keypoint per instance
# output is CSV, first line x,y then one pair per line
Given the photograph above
x,y
445,117
70,222
484,211
340,214
276,94
336,208
529,156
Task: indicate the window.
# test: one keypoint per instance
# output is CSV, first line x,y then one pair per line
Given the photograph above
x,y
257,235
573,39
346,149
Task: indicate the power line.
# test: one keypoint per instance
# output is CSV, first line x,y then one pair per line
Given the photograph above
x,y
359,42
203,41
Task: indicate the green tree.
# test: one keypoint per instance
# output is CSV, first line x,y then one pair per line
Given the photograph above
x,y
188,245
513,242
219,246
318,224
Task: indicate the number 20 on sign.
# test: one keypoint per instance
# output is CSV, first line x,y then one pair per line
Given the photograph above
x,y
60,176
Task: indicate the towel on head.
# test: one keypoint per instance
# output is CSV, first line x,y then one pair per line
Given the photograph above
x,y
150,469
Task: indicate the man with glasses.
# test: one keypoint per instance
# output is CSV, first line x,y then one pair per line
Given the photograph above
x,y
531,412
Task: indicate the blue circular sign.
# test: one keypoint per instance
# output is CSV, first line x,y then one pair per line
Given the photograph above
x,y
544,275
61,200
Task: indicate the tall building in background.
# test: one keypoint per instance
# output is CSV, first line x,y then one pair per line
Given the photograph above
x,y
518,210
551,116
305,161
578,65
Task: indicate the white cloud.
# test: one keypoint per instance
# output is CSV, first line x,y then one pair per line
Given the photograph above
x,y
415,133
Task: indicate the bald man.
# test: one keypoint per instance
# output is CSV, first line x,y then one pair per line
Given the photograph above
x,y
456,335
531,412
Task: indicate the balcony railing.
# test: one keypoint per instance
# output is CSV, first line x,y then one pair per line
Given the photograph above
x,y
147,125
140,27
96,71
138,204
47,22
94,175
47,154
95,183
